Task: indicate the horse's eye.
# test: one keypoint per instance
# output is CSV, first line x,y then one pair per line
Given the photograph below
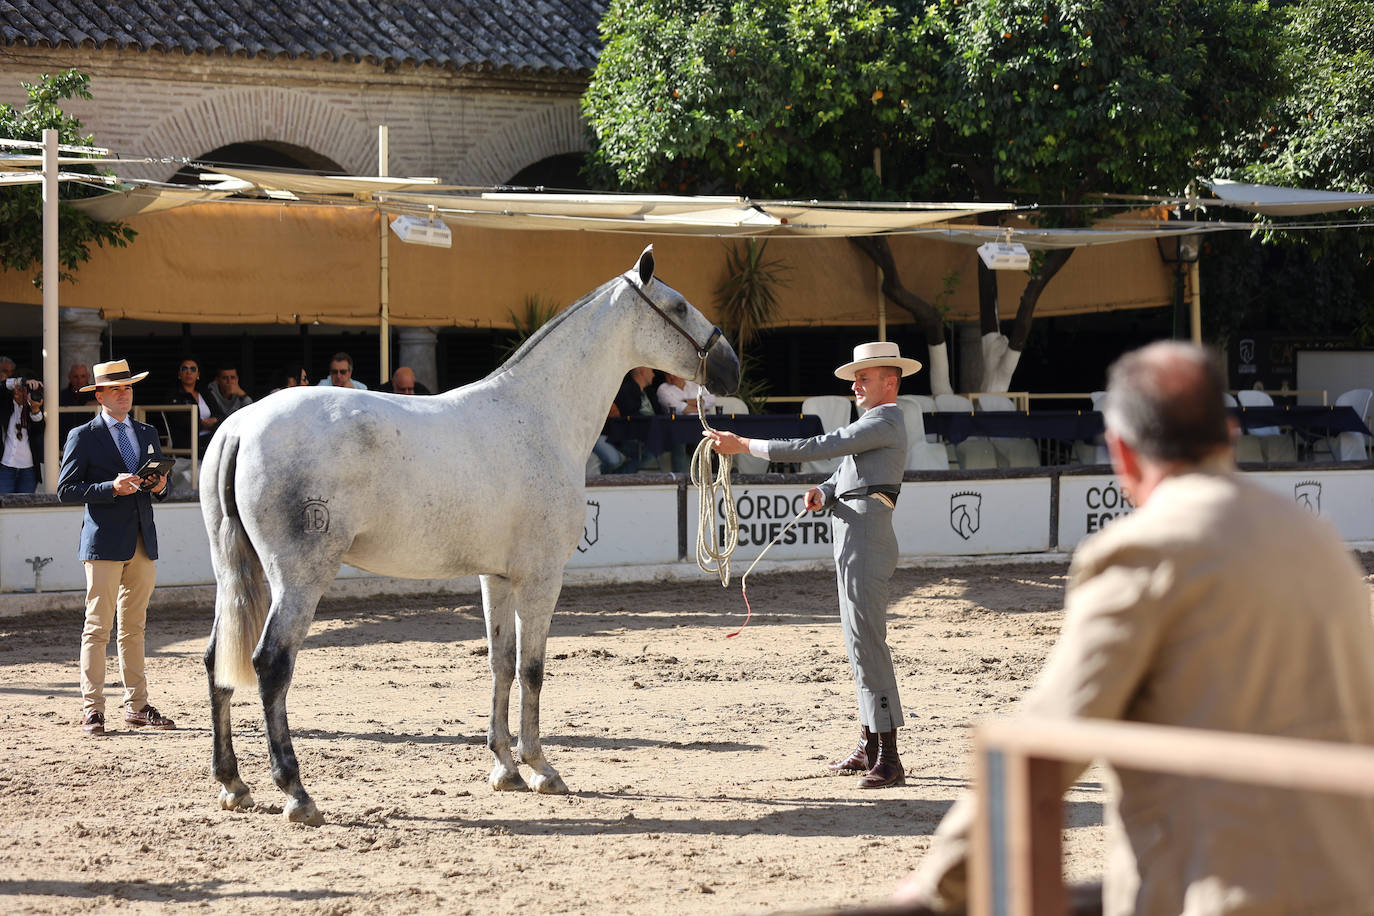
x,y
680,309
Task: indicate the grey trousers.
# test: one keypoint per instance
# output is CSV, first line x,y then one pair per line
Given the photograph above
x,y
865,558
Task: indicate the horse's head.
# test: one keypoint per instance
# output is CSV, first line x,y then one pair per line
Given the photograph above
x,y
679,339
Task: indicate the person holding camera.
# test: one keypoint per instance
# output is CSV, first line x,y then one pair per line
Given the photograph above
x,y
21,419
106,466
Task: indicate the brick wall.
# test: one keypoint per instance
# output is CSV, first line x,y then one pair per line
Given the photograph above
x,y
461,128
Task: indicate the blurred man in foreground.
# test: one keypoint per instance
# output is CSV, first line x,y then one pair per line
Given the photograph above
x,y
1217,605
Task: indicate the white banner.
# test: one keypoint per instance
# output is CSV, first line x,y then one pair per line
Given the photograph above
x,y
628,526
1343,498
1088,504
972,517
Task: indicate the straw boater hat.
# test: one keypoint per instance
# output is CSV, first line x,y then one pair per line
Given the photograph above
x,y
879,353
115,372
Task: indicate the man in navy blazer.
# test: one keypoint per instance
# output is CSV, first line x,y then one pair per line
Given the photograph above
x,y
118,541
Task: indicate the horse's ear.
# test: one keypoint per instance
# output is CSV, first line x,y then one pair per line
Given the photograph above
x,y
646,266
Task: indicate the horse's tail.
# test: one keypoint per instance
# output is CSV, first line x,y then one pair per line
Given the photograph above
x,y
241,600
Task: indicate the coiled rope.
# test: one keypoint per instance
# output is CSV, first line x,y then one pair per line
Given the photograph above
x,y
713,554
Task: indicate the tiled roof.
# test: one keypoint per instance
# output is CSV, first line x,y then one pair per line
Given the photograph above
x,y
538,36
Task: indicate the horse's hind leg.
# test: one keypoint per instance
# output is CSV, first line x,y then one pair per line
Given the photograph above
x,y
498,605
275,660
233,793
535,610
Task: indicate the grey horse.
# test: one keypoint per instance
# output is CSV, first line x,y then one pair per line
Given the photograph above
x,y
486,479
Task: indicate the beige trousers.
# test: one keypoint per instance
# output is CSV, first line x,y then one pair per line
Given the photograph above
x,y
116,589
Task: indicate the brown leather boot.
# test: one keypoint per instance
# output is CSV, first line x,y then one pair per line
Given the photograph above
x,y
860,760
887,770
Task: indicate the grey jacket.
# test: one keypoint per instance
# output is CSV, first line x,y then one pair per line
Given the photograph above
x,y
873,447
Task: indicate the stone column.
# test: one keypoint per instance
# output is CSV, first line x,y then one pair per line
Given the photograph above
x,y
416,346
78,339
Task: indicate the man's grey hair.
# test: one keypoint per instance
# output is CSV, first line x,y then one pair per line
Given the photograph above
x,y
6,361
342,357
1165,400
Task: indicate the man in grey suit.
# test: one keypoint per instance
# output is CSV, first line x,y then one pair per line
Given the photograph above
x,y
860,495
1216,604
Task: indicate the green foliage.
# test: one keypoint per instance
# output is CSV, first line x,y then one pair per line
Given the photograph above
x,y
1320,134
766,99
21,206
746,301
753,384
537,313
1003,99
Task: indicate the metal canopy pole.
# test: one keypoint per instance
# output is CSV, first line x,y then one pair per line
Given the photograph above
x,y
51,384
382,156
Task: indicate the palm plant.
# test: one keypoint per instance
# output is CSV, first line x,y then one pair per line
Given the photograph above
x,y
746,303
536,314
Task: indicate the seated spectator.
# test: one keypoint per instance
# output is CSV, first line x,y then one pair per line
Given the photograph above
x,y
225,394
188,392
634,400
21,433
1215,605
78,377
290,377
341,373
403,381
677,395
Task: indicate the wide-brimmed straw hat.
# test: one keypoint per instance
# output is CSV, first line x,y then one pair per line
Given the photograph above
x,y
115,372
878,353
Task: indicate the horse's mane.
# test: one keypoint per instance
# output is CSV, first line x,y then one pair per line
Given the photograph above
x,y
548,328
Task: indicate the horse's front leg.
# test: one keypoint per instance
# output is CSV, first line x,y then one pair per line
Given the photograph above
x,y
536,613
233,794
275,661
498,605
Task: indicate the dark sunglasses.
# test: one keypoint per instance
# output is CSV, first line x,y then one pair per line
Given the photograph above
x,y
188,369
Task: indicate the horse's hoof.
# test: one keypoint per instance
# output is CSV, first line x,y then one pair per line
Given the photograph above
x,y
549,785
235,801
503,780
298,812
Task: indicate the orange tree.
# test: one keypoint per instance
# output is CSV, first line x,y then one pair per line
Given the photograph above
x,y
992,100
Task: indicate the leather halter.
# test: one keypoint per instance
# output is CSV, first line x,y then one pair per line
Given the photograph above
x,y
702,349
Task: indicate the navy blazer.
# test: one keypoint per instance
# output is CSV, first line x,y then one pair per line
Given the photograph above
x,y
90,464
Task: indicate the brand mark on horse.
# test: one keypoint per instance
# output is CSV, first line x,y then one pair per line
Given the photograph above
x,y
316,513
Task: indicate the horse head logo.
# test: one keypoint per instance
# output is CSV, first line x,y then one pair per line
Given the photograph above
x,y
1247,351
591,530
1308,493
965,513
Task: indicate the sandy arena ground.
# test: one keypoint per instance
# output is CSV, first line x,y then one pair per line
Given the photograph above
x,y
695,763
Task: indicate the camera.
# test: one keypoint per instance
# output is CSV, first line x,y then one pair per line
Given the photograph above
x,y
34,385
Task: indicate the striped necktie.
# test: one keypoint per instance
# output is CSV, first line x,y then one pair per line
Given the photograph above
x,y
126,448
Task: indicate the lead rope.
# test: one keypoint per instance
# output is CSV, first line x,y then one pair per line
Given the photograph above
x,y
710,556
713,554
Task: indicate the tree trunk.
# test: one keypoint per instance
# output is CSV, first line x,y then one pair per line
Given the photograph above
x,y
927,316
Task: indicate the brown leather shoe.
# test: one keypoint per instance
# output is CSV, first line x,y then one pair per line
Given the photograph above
x,y
859,760
93,722
887,770
148,716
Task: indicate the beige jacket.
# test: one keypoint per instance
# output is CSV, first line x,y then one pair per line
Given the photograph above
x,y
1218,605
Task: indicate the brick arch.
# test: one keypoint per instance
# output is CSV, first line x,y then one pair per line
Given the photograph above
x,y
551,131
247,115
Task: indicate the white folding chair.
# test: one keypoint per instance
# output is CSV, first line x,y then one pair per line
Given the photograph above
x,y
952,403
926,404
993,402
746,463
976,454
1351,446
833,412
920,454
1093,452
729,404
1249,398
